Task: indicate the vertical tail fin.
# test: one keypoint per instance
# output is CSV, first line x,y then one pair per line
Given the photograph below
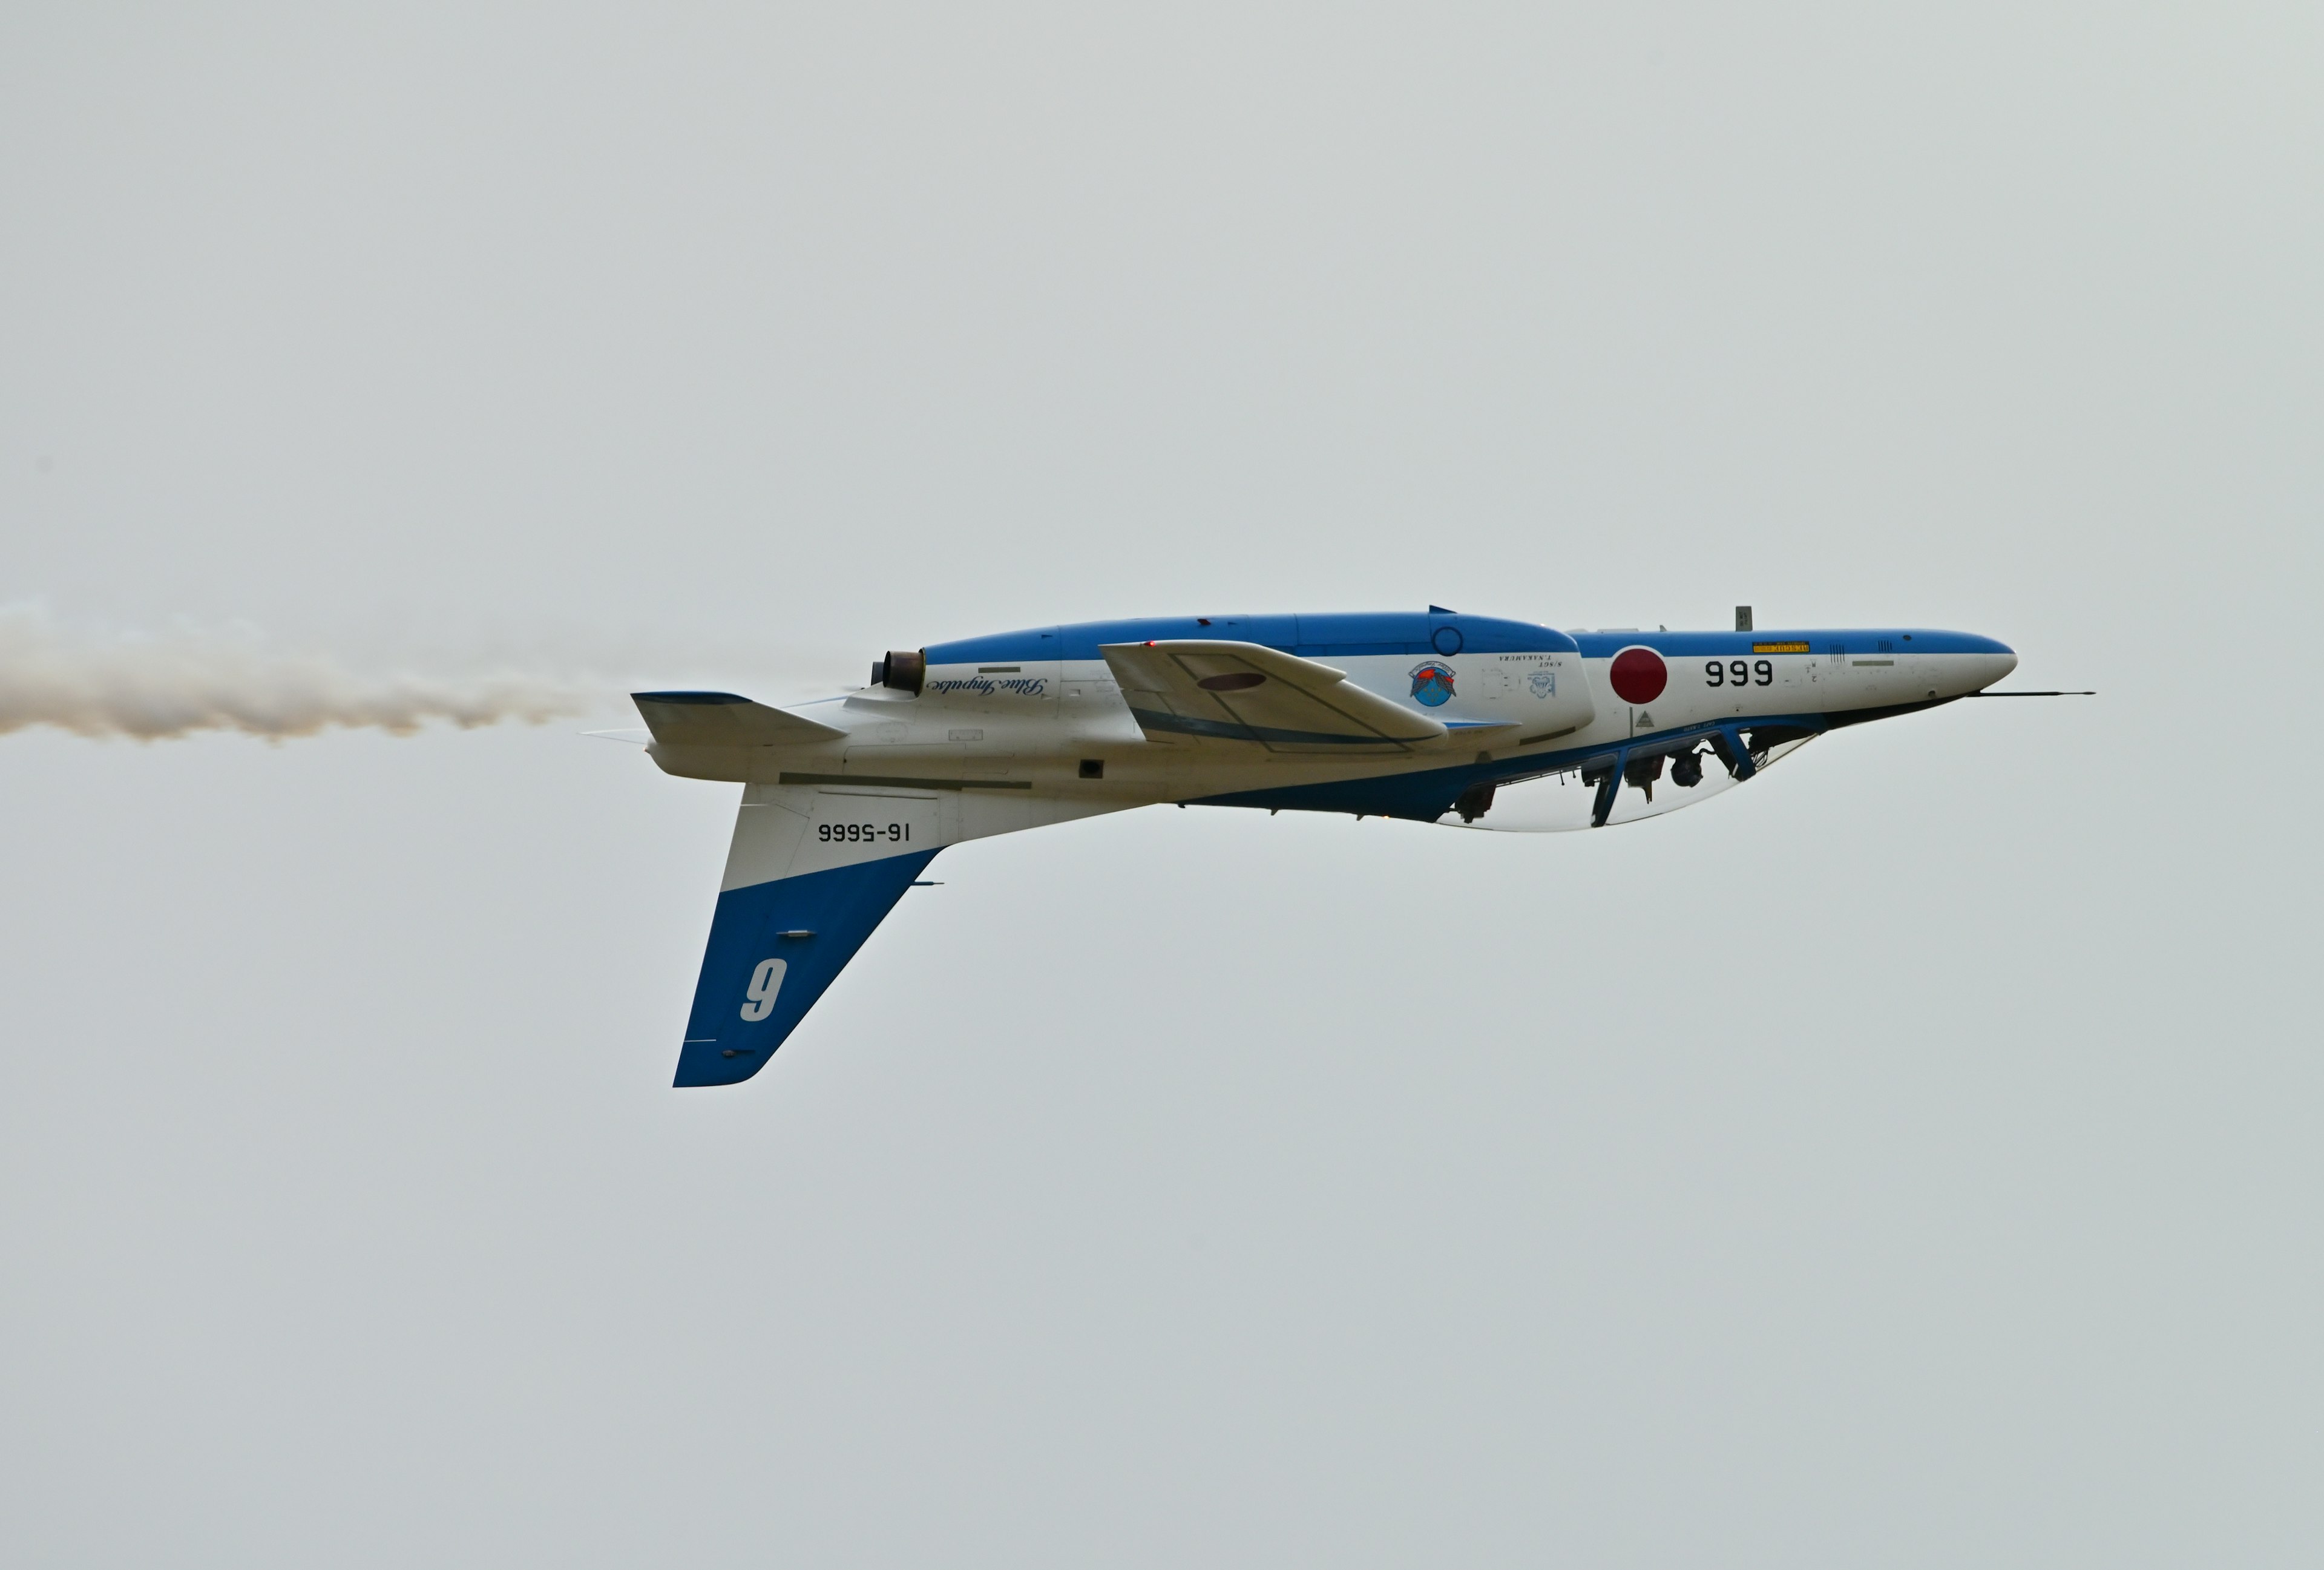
x,y
774,948
810,874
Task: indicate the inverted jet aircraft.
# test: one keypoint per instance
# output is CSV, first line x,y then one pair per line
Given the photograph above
x,y
1467,721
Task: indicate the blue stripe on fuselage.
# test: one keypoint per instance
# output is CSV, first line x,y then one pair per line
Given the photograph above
x,y
1819,641
1351,633
1312,637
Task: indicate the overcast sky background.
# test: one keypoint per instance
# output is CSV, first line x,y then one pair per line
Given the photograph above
x,y
1911,1160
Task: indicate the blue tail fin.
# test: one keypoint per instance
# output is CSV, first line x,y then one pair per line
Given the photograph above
x,y
774,947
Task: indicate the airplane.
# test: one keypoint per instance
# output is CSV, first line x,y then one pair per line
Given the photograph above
x,y
1432,716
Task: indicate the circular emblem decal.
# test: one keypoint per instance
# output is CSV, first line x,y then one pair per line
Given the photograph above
x,y
1432,682
1639,675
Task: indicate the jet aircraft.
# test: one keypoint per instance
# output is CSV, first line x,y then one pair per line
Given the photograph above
x,y
1433,716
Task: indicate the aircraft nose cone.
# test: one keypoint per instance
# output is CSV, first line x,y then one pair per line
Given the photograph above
x,y
1971,663
1991,666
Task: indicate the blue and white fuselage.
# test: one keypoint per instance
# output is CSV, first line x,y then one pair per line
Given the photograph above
x,y
1423,716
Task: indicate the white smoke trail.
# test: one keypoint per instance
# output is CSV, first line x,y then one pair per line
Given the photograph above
x,y
188,679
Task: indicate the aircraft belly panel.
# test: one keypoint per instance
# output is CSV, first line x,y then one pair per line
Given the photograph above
x,y
905,760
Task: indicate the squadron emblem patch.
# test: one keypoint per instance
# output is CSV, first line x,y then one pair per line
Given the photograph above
x,y
1432,682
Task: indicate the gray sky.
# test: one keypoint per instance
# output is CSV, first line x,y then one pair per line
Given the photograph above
x,y
1911,1161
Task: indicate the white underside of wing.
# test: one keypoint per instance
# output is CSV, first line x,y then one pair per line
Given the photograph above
x,y
1247,695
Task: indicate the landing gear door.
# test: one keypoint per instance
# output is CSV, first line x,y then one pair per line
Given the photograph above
x,y
1626,785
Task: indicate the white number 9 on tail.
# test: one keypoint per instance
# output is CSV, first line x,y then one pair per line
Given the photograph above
x,y
765,983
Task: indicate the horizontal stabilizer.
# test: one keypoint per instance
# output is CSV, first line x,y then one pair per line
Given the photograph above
x,y
721,719
1220,690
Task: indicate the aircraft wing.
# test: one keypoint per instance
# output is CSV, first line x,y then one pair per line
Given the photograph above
x,y
1245,692
723,719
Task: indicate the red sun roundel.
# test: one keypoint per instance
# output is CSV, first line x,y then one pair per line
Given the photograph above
x,y
1639,675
